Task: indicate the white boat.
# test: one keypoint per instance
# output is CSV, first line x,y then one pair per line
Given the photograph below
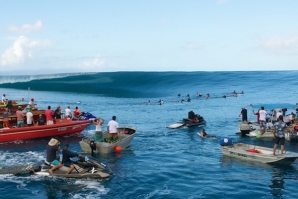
x,y
125,135
256,153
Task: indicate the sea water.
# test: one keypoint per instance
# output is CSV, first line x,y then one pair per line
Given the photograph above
x,y
161,162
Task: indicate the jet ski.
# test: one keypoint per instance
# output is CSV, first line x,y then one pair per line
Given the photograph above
x,y
85,116
83,168
188,122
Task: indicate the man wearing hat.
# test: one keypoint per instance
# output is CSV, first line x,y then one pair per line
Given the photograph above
x,y
20,117
31,104
53,147
29,115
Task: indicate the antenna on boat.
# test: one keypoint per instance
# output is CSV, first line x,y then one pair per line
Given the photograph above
x,y
28,93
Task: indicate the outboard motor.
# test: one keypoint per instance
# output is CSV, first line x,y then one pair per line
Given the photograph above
x,y
92,146
226,141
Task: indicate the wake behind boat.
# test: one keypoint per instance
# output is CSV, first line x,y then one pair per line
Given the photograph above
x,y
125,135
256,153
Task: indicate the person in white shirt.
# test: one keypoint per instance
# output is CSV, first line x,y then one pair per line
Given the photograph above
x,y
4,98
112,128
262,118
67,113
30,120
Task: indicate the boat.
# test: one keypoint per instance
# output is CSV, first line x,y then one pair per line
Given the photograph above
x,y
36,113
256,153
125,135
60,127
84,168
15,106
188,123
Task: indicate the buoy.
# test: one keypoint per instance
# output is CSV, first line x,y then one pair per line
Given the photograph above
x,y
258,135
117,149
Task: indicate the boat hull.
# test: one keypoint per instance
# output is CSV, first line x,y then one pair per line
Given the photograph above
x,y
259,154
107,148
61,127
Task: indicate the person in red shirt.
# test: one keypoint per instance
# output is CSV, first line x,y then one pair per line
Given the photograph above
x,y
257,114
49,115
76,112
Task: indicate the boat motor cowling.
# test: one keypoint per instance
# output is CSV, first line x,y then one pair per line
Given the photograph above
x,y
226,141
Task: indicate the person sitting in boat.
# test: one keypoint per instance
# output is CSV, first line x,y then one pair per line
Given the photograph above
x,y
66,155
191,114
10,107
5,116
204,134
76,112
98,137
52,158
4,100
40,120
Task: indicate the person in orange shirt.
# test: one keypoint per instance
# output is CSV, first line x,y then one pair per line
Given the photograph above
x,y
76,112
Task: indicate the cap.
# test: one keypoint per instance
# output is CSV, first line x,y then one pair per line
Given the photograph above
x,y
58,106
3,94
32,99
19,107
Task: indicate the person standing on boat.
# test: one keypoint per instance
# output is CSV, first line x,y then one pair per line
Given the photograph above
x,y
57,113
49,115
53,147
10,107
244,114
40,120
112,128
98,131
5,116
279,134
258,115
67,112
76,112
262,115
20,117
32,104
66,155
29,115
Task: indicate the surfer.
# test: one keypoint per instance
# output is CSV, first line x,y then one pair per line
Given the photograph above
x,y
204,134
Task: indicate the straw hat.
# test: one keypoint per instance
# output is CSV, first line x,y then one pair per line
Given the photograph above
x,y
53,142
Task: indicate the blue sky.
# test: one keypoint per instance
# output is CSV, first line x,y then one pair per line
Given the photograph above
x,y
45,37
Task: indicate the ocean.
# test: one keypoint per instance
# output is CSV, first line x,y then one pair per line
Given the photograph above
x,y
161,162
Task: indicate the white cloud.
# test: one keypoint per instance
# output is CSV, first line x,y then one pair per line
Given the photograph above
x,y
96,63
22,50
26,28
281,45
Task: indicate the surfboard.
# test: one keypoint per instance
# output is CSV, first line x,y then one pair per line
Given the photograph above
x,y
175,125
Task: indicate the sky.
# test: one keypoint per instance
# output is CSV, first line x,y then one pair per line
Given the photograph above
x,y
49,37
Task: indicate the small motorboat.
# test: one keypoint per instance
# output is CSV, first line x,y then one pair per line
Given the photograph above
x,y
188,122
256,153
84,168
125,137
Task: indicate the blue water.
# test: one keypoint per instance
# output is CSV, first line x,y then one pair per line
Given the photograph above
x,y
161,162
